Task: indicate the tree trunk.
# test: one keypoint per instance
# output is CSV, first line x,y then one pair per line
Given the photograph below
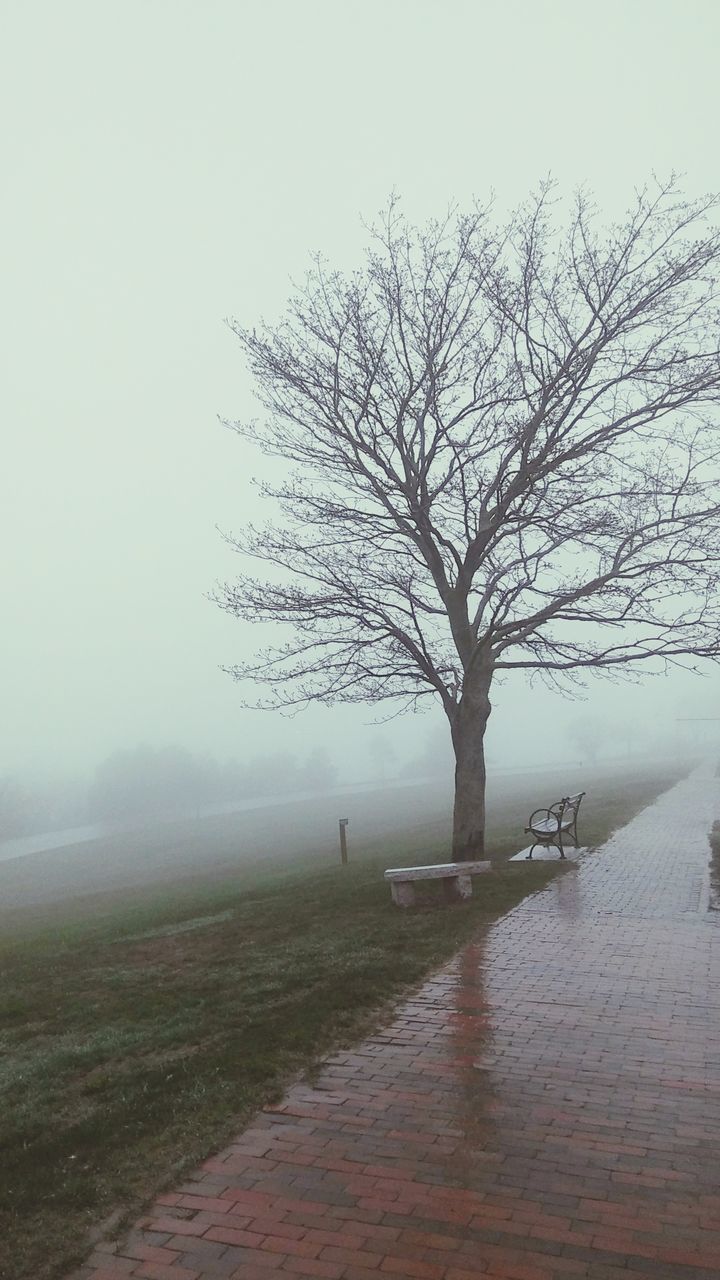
x,y
468,733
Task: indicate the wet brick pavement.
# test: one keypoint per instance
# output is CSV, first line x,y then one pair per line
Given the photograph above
x,y
547,1106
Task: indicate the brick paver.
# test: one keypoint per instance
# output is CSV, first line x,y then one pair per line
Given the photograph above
x,y
545,1107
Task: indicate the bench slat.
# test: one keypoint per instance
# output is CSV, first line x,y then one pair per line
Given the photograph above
x,y
438,871
547,824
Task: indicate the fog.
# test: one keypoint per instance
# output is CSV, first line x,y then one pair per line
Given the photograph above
x,y
168,164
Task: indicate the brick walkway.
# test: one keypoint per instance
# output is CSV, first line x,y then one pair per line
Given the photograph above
x,y
546,1107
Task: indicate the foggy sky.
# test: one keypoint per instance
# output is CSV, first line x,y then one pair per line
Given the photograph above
x,y
168,163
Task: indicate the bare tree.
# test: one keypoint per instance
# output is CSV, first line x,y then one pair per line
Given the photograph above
x,y
505,446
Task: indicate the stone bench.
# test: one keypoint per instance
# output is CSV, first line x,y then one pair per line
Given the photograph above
x,y
456,880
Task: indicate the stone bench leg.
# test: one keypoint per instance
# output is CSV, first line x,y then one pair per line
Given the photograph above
x,y
457,888
403,893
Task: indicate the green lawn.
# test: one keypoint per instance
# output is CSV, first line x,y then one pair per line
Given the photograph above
x,y
714,838
138,1034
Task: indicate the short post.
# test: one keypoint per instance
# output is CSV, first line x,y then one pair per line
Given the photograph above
x,y
343,841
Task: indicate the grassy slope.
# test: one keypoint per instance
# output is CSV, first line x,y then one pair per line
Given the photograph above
x,y
137,1038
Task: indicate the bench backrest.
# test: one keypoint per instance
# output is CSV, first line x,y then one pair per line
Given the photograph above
x,y
569,804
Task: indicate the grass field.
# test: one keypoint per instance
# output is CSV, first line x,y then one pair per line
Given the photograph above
x,y
714,840
139,1029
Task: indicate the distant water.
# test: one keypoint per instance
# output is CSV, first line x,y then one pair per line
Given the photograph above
x,y
22,845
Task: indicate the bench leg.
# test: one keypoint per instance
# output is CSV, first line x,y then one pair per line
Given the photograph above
x,y
457,888
464,884
403,893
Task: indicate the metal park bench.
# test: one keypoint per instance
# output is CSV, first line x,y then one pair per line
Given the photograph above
x,y
456,879
548,826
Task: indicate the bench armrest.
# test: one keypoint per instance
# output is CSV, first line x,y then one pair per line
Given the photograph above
x,y
548,813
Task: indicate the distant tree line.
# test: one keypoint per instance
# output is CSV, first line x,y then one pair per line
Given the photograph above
x,y
151,781
145,782
30,806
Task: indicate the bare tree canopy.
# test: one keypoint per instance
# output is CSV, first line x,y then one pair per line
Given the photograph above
x,y
506,457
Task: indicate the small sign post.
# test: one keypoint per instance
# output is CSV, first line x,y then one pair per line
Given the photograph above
x,y
343,841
